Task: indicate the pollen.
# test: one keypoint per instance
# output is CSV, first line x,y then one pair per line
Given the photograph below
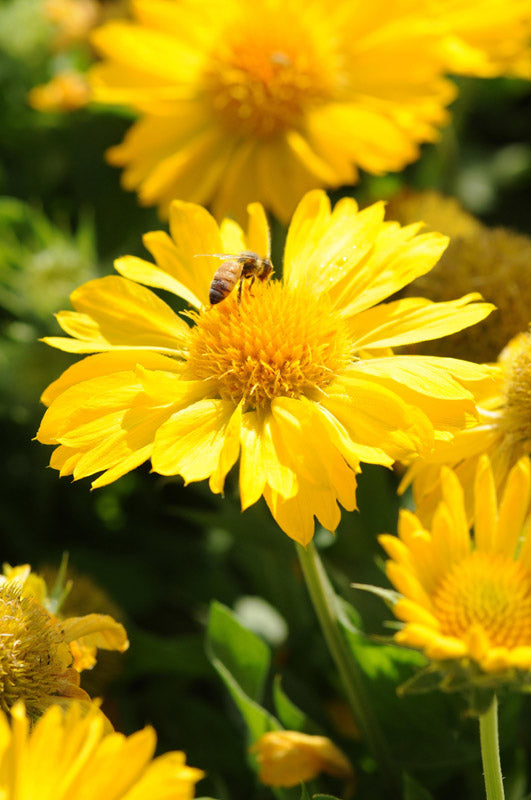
x,y
263,76
275,343
490,592
516,418
33,653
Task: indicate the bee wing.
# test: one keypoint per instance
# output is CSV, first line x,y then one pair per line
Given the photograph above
x,y
215,255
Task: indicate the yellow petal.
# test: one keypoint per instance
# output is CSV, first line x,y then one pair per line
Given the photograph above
x,y
258,237
514,508
415,320
486,507
96,630
191,441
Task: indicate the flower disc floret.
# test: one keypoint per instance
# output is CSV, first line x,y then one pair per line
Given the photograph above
x,y
275,343
516,417
488,591
264,76
34,655
296,378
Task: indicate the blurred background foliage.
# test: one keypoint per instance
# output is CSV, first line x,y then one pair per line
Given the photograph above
x,y
161,552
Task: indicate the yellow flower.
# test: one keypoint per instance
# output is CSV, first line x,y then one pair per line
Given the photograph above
x,y
467,598
72,756
502,431
494,261
66,91
285,758
264,101
41,655
298,376
485,37
74,19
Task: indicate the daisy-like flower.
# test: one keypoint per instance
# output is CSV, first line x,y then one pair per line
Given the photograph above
x,y
264,101
41,655
502,431
285,758
297,377
73,756
465,600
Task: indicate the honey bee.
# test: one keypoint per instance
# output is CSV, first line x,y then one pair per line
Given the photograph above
x,y
234,270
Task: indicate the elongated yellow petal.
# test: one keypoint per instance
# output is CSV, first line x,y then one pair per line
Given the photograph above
x,y
485,507
415,320
514,509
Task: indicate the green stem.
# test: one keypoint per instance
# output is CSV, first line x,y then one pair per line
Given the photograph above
x,y
324,601
490,752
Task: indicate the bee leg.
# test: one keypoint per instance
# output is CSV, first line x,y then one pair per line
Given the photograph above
x,y
251,283
240,287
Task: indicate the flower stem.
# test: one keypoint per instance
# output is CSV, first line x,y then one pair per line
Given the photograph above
x,y
325,604
490,752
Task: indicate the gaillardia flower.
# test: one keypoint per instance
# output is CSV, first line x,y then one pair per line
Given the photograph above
x,y
285,758
502,430
264,101
466,599
41,655
297,378
73,756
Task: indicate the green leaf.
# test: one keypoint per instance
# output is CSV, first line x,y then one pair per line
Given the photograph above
x,y
242,652
416,725
414,790
324,797
242,660
292,718
304,792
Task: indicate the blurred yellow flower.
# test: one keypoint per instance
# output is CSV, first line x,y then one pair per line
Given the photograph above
x,y
72,756
285,758
465,597
493,261
73,19
264,101
485,38
298,376
41,655
66,91
502,431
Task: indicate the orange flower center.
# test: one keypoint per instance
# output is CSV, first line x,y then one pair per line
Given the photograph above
x,y
275,343
489,591
267,71
516,418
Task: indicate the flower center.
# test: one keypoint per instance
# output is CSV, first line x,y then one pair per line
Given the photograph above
x,y
275,343
517,410
267,72
489,591
33,655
